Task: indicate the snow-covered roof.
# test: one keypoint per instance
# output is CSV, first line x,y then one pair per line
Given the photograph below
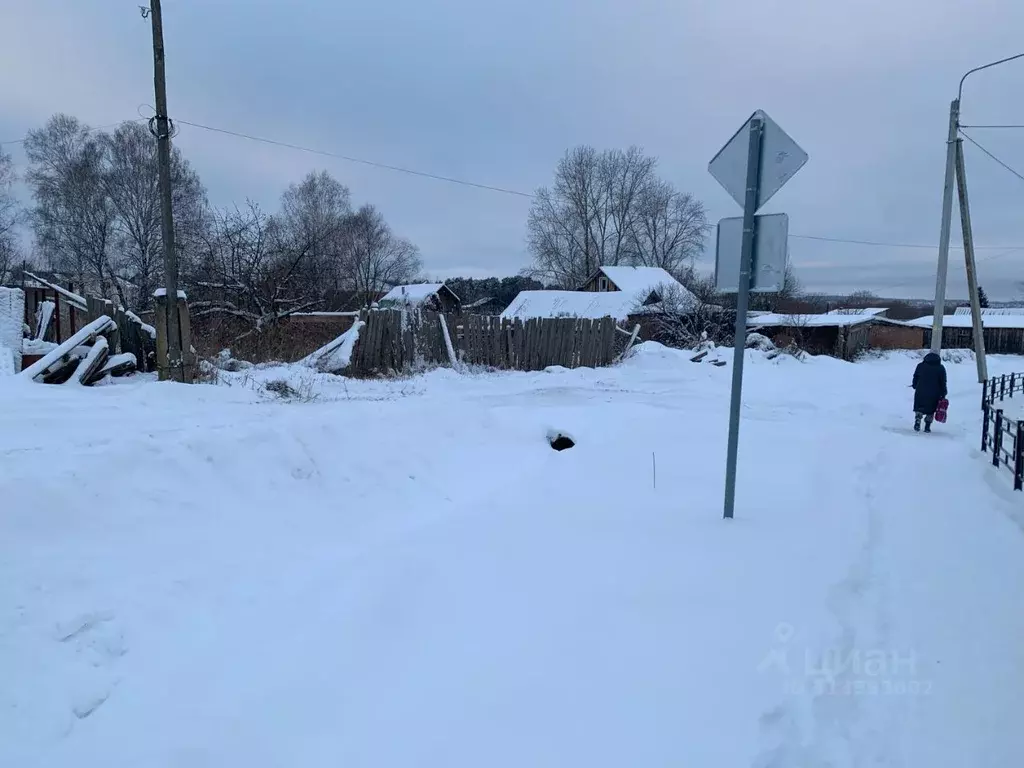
x,y
479,302
990,311
586,304
412,294
964,321
859,311
827,320
636,280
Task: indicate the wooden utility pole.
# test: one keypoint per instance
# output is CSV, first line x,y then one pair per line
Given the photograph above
x,y
161,128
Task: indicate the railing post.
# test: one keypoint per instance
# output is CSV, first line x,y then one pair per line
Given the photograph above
x,y
1018,458
1002,387
984,427
997,438
984,394
1013,382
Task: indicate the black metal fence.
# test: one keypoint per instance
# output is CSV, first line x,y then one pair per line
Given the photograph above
x,y
1005,437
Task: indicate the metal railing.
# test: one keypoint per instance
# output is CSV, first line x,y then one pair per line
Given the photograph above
x,y
1004,436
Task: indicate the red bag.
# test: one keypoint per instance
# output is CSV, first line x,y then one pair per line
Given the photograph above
x,y
940,412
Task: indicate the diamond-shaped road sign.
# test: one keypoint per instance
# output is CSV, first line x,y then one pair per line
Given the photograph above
x,y
771,248
781,158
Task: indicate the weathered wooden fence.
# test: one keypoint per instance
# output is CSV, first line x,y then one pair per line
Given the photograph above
x,y
395,341
132,335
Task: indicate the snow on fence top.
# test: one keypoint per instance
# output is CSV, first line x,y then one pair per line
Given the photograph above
x,y
964,321
161,292
989,311
74,298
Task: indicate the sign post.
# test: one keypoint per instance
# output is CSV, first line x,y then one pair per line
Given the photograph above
x,y
771,160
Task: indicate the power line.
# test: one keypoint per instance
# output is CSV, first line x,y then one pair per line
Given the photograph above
x,y
349,159
1007,167
882,244
972,127
991,257
504,190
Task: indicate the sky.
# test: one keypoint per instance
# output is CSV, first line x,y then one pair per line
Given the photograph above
x,y
495,93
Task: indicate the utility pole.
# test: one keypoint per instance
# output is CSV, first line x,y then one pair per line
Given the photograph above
x,y
161,128
947,215
972,275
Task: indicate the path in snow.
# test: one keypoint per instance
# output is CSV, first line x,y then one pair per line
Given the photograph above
x,y
408,574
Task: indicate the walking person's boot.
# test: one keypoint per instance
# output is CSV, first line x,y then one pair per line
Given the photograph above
x,y
928,423
917,422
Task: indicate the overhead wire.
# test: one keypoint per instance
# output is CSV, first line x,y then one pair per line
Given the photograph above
x,y
505,190
1016,173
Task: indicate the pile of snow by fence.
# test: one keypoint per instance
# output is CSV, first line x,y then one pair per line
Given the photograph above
x,y
12,324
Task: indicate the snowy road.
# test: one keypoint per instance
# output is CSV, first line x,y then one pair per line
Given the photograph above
x,y
405,574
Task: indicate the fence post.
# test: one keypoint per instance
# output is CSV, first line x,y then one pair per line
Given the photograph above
x,y
1018,458
1013,382
1002,387
984,394
984,427
997,438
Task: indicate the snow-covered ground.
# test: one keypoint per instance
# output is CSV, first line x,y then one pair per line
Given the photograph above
x,y
404,573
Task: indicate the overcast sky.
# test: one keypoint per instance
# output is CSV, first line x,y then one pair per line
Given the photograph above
x,y
495,91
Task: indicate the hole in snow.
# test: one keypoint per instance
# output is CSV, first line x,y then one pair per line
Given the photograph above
x,y
559,441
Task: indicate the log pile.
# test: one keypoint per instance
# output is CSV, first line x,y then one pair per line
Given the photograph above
x,y
84,359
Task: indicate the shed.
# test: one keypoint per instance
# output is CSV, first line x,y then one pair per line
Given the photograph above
x,y
1003,332
839,335
434,296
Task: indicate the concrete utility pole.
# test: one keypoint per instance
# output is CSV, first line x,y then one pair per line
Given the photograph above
x,y
954,154
161,128
947,215
972,276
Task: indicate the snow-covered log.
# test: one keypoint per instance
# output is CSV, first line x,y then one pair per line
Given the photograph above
x,y
53,358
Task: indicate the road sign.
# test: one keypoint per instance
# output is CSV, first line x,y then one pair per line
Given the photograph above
x,y
781,158
771,249
752,166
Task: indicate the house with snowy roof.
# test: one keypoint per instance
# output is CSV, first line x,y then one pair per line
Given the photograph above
x,y
617,292
437,297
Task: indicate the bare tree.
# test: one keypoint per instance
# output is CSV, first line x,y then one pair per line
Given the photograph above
x,y
669,228
313,218
131,181
73,218
562,221
246,271
609,208
9,216
375,259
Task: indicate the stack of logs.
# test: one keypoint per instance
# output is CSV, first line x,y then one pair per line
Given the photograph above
x,y
83,359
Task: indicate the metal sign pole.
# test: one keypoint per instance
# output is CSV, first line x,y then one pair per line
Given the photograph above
x,y
750,206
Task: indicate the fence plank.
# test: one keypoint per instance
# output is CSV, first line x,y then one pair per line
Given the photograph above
x,y
570,343
587,355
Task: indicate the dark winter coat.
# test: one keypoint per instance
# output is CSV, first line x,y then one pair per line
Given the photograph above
x,y
929,384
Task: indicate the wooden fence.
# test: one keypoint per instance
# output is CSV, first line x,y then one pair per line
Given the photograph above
x,y
395,341
132,335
